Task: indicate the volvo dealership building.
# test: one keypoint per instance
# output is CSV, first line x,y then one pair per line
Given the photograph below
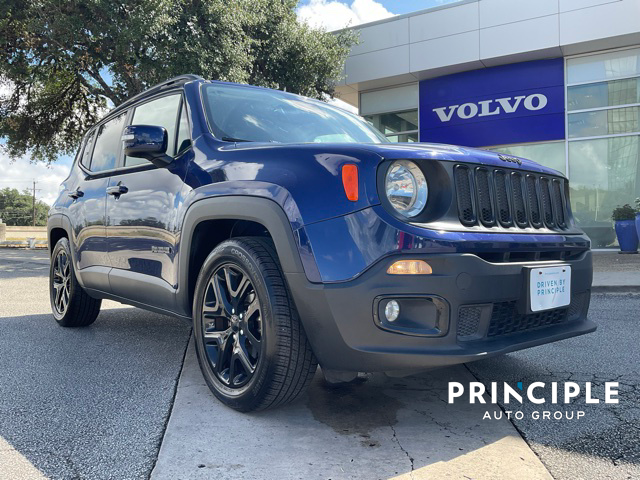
x,y
557,81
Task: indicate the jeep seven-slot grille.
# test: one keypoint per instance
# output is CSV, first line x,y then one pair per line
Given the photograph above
x,y
491,197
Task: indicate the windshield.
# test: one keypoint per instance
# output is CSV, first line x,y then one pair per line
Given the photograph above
x,y
237,113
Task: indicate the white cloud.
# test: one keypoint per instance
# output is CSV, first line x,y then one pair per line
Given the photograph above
x,y
334,15
21,173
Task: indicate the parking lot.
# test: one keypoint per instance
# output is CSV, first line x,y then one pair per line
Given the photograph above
x,y
124,399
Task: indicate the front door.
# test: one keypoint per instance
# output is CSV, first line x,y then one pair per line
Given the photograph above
x,y
87,210
142,207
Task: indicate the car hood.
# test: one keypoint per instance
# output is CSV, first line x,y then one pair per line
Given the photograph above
x,y
308,175
413,151
453,153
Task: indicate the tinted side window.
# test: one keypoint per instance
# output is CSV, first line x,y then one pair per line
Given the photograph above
x,y
184,137
162,112
86,153
108,142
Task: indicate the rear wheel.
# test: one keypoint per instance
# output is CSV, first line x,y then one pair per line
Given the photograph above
x,y
70,304
251,346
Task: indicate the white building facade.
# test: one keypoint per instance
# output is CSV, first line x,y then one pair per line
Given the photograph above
x,y
557,81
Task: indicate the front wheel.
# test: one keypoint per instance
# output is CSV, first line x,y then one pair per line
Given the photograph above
x,y
252,349
70,304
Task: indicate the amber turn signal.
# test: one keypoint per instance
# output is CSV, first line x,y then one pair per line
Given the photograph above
x,y
410,267
350,181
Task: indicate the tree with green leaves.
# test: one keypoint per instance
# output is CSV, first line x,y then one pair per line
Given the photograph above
x,y
64,63
17,208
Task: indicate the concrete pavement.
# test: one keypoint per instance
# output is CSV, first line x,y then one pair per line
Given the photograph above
x,y
383,428
613,282
615,272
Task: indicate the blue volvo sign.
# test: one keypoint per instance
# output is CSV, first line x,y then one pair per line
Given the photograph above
x,y
517,103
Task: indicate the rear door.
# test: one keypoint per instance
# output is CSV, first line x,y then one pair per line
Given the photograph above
x,y
142,234
88,207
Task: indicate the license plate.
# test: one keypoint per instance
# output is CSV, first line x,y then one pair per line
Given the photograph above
x,y
549,287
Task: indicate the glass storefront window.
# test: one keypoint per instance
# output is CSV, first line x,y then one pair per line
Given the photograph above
x,y
604,66
604,168
550,155
604,122
397,126
604,94
404,137
604,173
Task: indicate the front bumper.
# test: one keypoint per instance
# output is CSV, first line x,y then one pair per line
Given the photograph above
x,y
482,315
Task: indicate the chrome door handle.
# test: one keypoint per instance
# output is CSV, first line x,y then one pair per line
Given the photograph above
x,y
117,190
77,193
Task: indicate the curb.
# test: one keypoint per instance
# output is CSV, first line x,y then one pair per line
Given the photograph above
x,y
615,289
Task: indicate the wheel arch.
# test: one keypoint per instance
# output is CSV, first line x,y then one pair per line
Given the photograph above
x,y
234,214
55,234
59,226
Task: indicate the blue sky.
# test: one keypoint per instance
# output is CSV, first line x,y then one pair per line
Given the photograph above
x,y
406,6
397,7
337,14
402,6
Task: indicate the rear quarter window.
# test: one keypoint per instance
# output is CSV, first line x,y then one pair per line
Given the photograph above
x,y
87,145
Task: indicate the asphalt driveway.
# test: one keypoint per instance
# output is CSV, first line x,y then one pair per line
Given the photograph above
x,y
80,403
606,442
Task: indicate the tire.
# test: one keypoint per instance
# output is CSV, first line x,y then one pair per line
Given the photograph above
x,y
255,354
70,304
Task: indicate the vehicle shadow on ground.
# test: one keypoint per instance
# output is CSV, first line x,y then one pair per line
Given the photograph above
x,y
89,402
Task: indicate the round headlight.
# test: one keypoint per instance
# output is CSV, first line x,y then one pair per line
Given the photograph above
x,y
406,188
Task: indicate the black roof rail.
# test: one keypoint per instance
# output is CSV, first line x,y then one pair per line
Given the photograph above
x,y
172,82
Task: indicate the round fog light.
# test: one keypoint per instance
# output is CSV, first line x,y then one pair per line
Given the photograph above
x,y
392,310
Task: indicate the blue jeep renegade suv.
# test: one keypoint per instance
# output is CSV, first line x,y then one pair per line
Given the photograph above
x,y
293,235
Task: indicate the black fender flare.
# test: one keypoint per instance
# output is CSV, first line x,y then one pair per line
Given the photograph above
x,y
255,209
60,220
57,220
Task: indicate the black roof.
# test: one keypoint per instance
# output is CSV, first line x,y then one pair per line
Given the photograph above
x,y
168,84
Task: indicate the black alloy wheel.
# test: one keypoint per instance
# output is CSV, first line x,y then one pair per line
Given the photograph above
x,y
232,325
61,292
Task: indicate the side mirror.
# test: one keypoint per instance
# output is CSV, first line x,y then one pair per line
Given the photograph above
x,y
148,142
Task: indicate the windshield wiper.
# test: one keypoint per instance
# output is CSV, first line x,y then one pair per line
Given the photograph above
x,y
232,139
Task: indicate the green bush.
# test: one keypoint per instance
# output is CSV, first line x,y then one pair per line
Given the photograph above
x,y
625,212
